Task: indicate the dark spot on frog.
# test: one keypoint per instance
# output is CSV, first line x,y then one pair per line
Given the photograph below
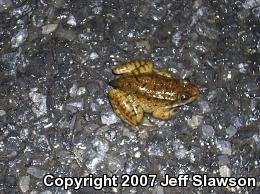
x,y
113,83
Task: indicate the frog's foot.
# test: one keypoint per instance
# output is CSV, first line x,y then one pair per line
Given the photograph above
x,y
126,106
163,73
164,113
134,67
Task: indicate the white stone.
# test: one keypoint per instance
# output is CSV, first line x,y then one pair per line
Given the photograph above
x,y
24,183
39,100
248,4
137,154
224,146
5,4
24,133
204,106
19,38
73,90
155,150
108,118
208,131
242,67
36,172
2,113
224,171
181,153
92,164
101,145
93,56
72,21
195,121
77,104
176,38
81,90
231,131
49,28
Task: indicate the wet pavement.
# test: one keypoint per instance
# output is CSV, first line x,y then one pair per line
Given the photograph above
x,y
55,118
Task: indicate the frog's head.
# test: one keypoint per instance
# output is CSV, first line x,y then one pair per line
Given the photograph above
x,y
188,92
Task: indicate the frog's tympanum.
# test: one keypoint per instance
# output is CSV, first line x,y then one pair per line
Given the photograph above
x,y
142,88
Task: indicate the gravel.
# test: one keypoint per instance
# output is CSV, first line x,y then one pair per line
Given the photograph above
x,y
55,117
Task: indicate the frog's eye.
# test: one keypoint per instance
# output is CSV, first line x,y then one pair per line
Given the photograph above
x,y
184,97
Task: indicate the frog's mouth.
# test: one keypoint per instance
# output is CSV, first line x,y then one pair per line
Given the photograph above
x,y
193,98
185,102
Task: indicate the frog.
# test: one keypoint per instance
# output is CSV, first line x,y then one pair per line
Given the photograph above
x,y
140,88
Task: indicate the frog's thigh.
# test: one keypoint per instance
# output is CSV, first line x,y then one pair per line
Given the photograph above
x,y
126,106
135,67
164,113
162,72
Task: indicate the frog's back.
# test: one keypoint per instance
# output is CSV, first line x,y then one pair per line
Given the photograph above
x,y
148,85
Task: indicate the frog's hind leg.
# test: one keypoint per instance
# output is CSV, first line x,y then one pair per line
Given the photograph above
x,y
134,67
164,113
126,106
163,73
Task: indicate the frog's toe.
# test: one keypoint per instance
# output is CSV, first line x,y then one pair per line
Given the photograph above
x,y
164,113
126,106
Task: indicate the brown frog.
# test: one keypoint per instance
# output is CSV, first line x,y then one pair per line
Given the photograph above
x,y
143,88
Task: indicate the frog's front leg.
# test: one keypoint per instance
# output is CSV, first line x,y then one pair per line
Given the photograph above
x,y
134,67
164,113
126,106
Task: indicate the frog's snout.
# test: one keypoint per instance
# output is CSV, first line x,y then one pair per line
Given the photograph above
x,y
195,91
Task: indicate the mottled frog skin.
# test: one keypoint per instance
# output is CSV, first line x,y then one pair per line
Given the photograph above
x,y
142,88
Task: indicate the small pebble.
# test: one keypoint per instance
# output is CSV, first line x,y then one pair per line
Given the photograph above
x,y
5,4
204,106
256,12
72,21
19,38
155,150
49,28
208,131
231,131
224,146
73,90
181,153
36,172
195,121
223,160
242,67
225,171
137,154
248,4
108,118
2,113
39,100
24,133
81,90
21,10
93,56
77,104
176,38
24,183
